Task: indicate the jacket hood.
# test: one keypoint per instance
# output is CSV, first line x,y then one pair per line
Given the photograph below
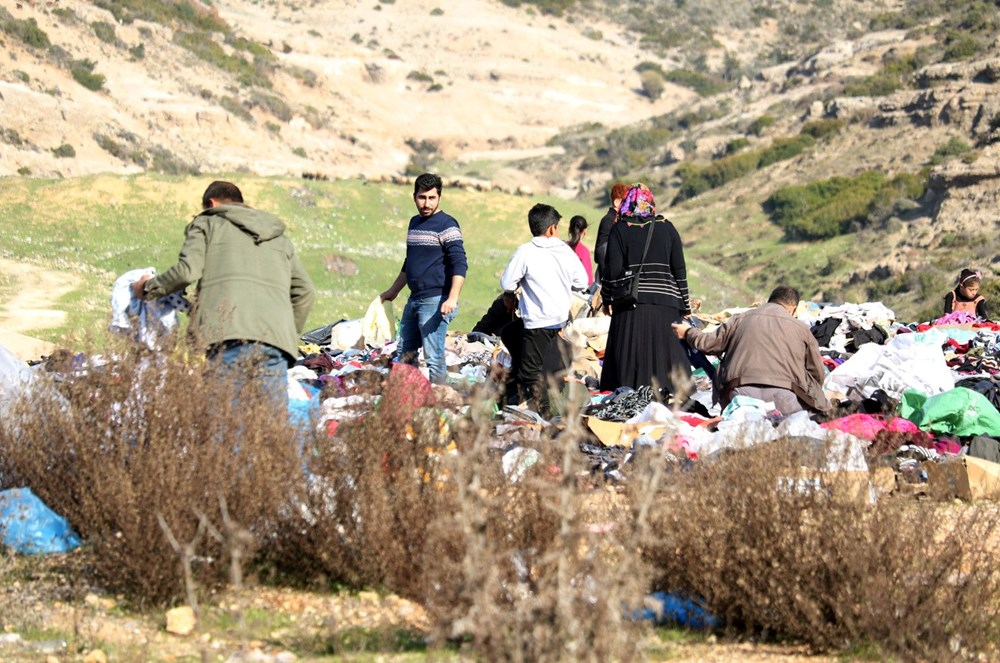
x,y
261,226
548,242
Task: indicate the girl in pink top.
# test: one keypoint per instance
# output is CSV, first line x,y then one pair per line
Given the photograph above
x,y
577,230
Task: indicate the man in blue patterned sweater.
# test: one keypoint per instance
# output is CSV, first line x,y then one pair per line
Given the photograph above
x,y
434,269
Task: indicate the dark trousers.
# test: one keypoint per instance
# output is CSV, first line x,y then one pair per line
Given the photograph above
x,y
531,375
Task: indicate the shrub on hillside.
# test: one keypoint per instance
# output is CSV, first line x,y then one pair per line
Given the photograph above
x,y
26,30
831,207
205,48
783,552
84,74
64,151
105,32
166,12
820,129
705,85
758,126
695,180
824,209
119,448
652,84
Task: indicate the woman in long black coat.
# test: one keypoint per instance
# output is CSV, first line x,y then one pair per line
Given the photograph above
x,y
642,349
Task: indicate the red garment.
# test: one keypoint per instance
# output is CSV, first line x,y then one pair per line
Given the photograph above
x,y
406,390
868,426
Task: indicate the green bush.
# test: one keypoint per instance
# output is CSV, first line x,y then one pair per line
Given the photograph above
x,y
300,152
876,85
27,30
105,32
420,77
165,12
953,148
705,85
83,73
695,180
437,11
24,171
273,104
820,129
64,151
824,209
138,51
652,84
960,47
737,144
205,48
758,126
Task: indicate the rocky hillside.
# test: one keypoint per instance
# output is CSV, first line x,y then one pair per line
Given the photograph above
x,y
719,107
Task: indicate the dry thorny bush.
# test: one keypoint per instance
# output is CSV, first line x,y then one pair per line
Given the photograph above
x,y
158,464
411,500
519,570
778,550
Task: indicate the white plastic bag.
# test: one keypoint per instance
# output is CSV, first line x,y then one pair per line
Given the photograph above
x,y
376,327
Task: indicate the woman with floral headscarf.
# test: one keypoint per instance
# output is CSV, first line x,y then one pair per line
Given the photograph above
x,y
642,349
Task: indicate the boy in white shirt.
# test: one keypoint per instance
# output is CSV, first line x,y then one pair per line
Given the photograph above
x,y
547,271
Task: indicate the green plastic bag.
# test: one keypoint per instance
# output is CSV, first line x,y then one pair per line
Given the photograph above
x,y
959,411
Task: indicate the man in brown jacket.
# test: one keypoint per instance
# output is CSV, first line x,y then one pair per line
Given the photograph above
x,y
768,354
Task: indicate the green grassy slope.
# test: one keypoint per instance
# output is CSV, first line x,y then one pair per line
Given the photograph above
x,y
100,227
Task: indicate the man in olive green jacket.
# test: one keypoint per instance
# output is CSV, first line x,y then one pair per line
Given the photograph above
x,y
253,295
768,354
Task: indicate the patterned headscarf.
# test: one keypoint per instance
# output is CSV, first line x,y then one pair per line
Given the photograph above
x,y
638,204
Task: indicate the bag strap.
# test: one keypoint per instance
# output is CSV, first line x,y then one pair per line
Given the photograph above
x,y
649,237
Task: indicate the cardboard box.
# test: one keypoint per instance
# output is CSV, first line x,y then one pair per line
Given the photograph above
x,y
964,477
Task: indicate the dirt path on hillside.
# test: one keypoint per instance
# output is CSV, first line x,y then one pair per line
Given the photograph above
x,y
29,303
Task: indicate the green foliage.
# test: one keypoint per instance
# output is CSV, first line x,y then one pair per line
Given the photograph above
x,y
954,147
652,84
21,76
126,151
420,77
65,15
824,209
272,103
24,171
547,7
960,46
64,151
820,129
737,144
300,152
105,32
205,48
83,73
593,33
876,85
138,51
185,13
11,137
437,11
705,85
236,108
695,180
307,77
758,126
27,30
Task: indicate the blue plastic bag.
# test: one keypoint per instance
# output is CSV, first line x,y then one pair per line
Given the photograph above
x,y
30,527
663,608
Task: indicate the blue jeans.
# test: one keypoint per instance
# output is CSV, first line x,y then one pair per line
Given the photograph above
x,y
422,325
266,363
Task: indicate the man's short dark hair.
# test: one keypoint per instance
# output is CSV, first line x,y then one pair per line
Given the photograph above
x,y
224,192
784,294
426,182
540,217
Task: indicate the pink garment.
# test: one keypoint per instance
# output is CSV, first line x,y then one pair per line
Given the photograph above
x,y
583,253
867,426
955,318
406,390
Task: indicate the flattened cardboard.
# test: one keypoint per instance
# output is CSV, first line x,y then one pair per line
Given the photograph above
x,y
617,434
965,477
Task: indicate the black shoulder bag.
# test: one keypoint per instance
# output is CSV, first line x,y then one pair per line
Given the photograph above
x,y
625,290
